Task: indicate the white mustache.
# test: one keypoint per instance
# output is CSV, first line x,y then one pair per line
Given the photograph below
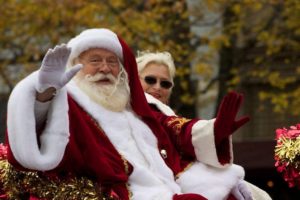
x,y
99,77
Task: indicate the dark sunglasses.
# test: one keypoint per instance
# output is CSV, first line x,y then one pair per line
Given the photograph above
x,y
151,80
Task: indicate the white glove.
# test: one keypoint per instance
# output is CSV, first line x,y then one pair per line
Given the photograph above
x,y
241,191
53,70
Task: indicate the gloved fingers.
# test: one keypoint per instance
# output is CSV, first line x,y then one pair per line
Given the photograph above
x,y
229,106
247,195
47,57
49,51
223,107
234,104
226,115
241,191
223,121
56,59
237,194
63,50
65,53
239,102
56,54
229,103
244,190
70,74
60,56
59,48
239,123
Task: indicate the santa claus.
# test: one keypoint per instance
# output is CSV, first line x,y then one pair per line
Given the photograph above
x,y
92,122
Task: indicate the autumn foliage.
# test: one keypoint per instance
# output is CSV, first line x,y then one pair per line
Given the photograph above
x,y
259,40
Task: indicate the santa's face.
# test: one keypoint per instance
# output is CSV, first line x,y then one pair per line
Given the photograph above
x,y
101,61
103,79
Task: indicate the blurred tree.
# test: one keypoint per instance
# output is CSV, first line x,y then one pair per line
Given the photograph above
x,y
260,43
258,33
30,27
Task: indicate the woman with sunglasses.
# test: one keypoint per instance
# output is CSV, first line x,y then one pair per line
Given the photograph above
x,y
156,72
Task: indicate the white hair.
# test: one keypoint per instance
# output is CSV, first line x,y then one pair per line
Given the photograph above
x,y
94,38
146,57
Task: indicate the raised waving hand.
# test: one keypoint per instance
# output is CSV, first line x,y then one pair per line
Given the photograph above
x,y
53,70
226,122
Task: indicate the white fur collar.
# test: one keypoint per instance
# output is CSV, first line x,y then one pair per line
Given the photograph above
x,y
136,142
161,106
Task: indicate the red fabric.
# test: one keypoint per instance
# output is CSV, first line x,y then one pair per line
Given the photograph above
x,y
3,197
226,124
90,153
231,197
188,197
10,157
183,139
34,198
223,152
140,106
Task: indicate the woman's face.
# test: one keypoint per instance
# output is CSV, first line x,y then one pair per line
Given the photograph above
x,y
156,80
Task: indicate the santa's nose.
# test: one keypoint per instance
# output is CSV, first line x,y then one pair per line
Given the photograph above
x,y
104,68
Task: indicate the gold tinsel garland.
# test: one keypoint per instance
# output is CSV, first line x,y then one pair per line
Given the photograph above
x,y
18,184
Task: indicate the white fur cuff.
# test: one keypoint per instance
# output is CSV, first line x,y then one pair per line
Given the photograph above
x,y
203,139
211,182
21,125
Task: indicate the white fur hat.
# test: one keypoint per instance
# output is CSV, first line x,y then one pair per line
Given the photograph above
x,y
146,57
94,38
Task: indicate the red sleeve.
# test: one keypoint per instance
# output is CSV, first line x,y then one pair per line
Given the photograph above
x,y
179,129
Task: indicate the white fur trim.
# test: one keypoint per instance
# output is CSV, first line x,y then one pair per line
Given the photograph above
x,y
161,106
213,183
94,38
257,193
22,127
145,187
151,178
204,143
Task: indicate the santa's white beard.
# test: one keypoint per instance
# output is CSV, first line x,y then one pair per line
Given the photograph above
x,y
114,97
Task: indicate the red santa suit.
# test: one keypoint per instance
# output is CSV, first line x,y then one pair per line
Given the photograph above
x,y
130,153
211,173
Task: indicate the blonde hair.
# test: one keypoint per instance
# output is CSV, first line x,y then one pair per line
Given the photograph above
x,y
164,57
